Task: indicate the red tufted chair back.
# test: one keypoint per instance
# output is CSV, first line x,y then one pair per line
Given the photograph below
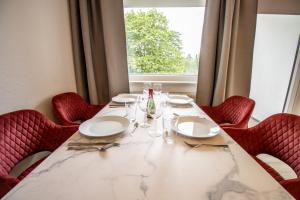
x,y
236,108
233,112
279,135
70,107
22,133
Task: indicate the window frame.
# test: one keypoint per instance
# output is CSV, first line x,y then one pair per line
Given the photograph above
x,y
172,83
185,84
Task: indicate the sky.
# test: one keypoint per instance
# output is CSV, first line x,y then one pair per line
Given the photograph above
x,y
188,21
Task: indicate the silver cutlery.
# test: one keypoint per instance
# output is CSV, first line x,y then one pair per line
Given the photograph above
x,y
135,126
182,106
88,143
115,106
203,144
178,115
103,148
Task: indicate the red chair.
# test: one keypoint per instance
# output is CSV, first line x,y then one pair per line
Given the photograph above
x,y
278,136
70,107
23,133
233,112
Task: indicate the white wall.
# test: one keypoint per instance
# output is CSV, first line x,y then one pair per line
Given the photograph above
x,y
293,105
291,7
274,51
35,54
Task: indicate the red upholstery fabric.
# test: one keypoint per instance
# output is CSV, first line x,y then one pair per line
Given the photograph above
x,y
233,112
279,136
23,133
7,183
293,186
70,107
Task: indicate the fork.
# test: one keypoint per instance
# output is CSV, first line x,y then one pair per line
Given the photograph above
x,y
199,145
103,148
88,143
135,126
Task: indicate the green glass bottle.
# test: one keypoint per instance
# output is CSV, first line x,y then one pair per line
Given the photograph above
x,y
150,104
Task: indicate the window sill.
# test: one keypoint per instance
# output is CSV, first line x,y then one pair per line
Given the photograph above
x,y
183,84
168,82
168,78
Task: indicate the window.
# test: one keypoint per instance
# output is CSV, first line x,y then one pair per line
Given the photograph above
x,y
163,38
275,48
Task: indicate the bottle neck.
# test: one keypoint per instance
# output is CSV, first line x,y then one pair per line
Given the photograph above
x,y
150,93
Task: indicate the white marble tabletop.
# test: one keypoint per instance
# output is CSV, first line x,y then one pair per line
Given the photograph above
x,y
145,167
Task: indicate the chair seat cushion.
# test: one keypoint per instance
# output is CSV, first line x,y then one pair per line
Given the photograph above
x,y
24,167
29,169
284,170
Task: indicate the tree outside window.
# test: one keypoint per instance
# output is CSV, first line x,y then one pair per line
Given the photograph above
x,y
153,48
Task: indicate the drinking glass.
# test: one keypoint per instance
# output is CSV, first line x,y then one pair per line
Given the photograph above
x,y
164,102
147,86
167,132
166,120
142,103
153,131
157,87
131,111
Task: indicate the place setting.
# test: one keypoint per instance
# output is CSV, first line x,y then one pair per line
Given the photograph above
x,y
108,126
196,131
111,124
122,100
102,133
179,101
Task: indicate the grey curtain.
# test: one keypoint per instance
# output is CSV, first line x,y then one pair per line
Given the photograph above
x,y
226,50
99,48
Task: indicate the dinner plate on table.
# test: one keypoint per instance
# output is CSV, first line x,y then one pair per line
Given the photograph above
x,y
179,99
104,126
124,98
195,127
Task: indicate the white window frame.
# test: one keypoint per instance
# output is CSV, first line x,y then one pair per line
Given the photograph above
x,y
172,83
163,3
185,84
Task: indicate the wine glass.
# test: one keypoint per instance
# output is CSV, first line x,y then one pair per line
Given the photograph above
x,y
142,102
157,87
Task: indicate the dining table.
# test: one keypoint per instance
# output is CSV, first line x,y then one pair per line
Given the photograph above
x,y
143,167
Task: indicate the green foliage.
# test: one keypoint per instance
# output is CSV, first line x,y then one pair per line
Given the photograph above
x,y
151,46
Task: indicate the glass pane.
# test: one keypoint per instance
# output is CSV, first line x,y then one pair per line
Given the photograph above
x,y
275,46
163,40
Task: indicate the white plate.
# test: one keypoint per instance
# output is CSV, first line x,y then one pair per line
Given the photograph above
x,y
179,99
113,111
122,98
195,127
104,126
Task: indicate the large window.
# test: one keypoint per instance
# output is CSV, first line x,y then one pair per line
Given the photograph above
x,y
275,47
163,40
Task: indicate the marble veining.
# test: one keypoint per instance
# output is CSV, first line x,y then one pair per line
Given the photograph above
x,y
143,167
54,165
